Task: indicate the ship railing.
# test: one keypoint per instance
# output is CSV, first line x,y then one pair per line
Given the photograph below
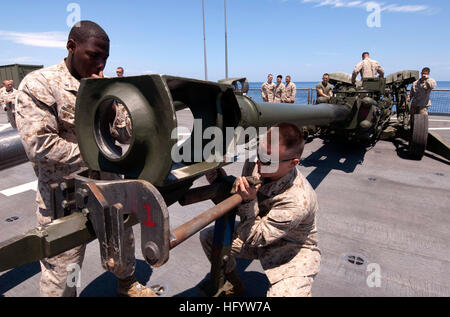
x,y
440,98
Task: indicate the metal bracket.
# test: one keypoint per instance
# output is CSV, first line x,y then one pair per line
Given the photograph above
x,y
113,205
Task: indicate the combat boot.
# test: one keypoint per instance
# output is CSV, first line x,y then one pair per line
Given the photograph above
x,y
131,288
238,287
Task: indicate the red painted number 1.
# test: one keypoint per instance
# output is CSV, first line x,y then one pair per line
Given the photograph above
x,y
148,222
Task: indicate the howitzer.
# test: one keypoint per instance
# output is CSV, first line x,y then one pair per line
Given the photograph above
x,y
374,102
96,203
371,103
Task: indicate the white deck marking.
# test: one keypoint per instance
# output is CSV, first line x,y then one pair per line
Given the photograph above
x,y
19,189
439,129
4,127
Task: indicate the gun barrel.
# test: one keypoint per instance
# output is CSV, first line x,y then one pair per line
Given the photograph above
x,y
12,152
321,114
152,102
265,114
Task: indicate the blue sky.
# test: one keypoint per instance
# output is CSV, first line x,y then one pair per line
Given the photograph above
x,y
303,38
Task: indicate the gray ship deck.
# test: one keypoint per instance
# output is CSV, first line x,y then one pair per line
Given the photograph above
x,y
377,205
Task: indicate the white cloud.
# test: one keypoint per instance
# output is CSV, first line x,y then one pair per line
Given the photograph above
x,y
363,5
405,8
336,3
41,39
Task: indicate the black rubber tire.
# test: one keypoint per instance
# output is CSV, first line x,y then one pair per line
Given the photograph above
x,y
419,136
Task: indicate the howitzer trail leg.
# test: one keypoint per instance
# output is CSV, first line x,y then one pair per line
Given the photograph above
x,y
104,204
46,241
438,145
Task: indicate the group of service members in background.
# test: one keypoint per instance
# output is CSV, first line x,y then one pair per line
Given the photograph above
x,y
279,92
368,68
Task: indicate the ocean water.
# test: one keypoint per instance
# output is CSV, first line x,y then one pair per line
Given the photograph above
x,y
440,99
310,84
443,85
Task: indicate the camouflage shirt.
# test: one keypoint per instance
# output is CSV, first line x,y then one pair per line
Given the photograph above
x,y
7,96
121,130
268,91
420,92
282,223
367,68
325,89
291,91
45,116
280,93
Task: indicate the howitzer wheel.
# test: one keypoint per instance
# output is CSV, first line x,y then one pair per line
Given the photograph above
x,y
419,136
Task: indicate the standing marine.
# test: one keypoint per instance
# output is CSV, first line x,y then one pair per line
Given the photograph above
x,y
291,91
46,123
8,100
367,68
268,89
420,93
280,90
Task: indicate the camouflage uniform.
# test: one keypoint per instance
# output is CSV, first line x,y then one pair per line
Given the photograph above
x,y
7,95
45,114
121,129
367,68
268,91
420,95
279,229
326,90
10,108
291,91
280,93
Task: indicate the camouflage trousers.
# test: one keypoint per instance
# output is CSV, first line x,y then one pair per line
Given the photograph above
x,y
297,286
292,286
57,271
322,100
11,114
